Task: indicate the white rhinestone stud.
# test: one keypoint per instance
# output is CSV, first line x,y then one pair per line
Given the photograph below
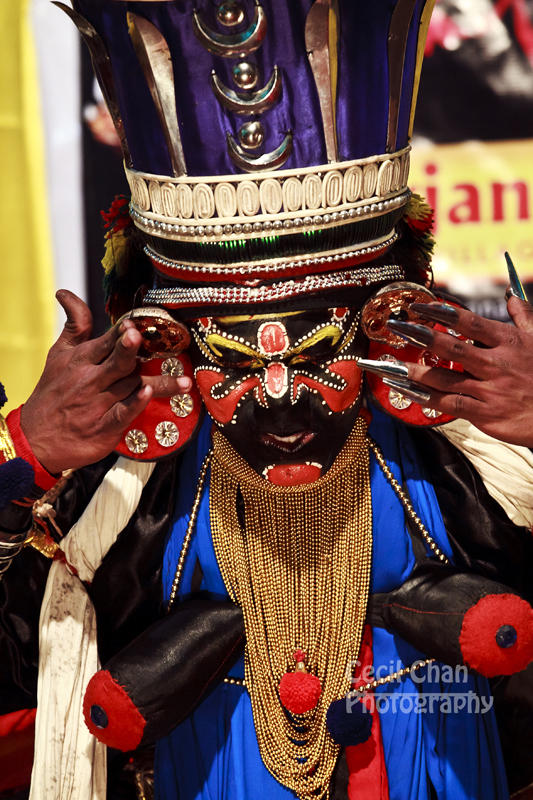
x,y
172,367
431,413
136,441
181,404
398,401
388,357
167,434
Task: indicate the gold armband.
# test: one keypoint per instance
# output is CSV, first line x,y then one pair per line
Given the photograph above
x,y
7,448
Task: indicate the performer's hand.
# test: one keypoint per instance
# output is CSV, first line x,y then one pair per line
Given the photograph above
x,y
495,392
89,391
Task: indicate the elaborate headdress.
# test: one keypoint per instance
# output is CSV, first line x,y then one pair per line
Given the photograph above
x,y
266,143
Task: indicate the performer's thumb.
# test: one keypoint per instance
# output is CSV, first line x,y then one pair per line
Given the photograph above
x,y
79,323
521,312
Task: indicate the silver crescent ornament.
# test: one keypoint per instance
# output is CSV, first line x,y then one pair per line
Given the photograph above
x,y
263,163
229,45
253,103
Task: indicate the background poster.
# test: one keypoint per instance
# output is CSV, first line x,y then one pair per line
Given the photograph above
x,y
473,146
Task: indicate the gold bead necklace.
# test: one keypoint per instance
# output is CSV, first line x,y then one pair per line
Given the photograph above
x,y
300,571
299,568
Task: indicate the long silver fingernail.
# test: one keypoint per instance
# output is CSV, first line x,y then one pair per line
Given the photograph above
x,y
418,335
408,389
390,369
438,312
516,284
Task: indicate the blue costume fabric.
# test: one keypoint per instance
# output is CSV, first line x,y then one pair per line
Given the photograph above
x,y
451,744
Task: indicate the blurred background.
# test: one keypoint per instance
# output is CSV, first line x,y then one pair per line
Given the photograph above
x,y
60,165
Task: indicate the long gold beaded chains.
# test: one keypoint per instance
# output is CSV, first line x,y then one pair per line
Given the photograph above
x,y
300,570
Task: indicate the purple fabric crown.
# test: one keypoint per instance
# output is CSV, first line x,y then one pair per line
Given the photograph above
x,y
363,93
265,141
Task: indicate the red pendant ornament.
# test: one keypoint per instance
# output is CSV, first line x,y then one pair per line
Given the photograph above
x,y
299,691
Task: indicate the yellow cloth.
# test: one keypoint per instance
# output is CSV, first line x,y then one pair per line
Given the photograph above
x,y
28,312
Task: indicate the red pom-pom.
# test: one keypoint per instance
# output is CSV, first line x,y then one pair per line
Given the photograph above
x,y
485,640
299,691
110,713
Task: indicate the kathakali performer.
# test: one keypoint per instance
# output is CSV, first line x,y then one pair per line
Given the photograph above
x,y
292,560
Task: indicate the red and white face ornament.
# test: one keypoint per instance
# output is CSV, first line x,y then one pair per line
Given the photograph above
x,y
284,388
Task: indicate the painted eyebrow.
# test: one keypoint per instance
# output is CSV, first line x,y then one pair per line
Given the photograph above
x,y
332,332
214,339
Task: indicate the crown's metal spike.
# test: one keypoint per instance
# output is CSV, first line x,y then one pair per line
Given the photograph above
x,y
235,44
264,163
396,47
252,103
423,29
321,42
102,68
156,62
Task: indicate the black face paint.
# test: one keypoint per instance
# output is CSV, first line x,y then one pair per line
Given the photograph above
x,y
284,389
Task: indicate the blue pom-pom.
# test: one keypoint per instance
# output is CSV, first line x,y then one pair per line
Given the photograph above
x,y
16,480
349,722
3,396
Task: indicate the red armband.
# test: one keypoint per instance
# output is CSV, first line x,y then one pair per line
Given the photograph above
x,y
43,479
